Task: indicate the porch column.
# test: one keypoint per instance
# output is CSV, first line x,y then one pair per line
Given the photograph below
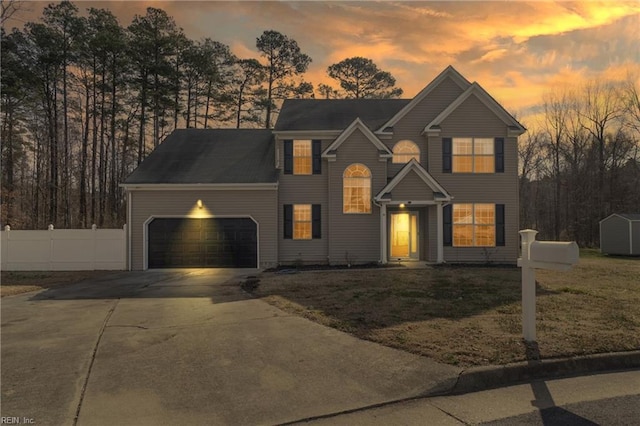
x,y
383,233
439,233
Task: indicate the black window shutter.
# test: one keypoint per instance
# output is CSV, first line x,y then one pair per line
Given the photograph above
x,y
288,157
446,155
499,153
316,150
288,221
316,230
447,223
500,225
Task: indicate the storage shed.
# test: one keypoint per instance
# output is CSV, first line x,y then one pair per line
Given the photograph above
x,y
620,234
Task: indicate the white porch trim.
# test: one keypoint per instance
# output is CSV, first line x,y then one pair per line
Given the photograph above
x,y
384,226
383,234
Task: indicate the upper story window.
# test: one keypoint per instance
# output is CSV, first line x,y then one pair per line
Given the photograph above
x,y
404,151
301,157
474,225
473,155
356,186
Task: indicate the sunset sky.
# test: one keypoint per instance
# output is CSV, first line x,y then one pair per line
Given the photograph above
x,y
515,50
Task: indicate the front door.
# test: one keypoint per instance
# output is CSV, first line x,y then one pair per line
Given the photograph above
x,y
404,236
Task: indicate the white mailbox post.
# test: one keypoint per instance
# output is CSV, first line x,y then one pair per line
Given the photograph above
x,y
558,256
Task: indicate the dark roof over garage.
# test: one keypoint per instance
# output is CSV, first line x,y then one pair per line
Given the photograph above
x,y
210,156
336,114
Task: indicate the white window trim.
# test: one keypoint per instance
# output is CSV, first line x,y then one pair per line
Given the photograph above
x,y
473,156
310,143
294,221
395,154
473,225
369,178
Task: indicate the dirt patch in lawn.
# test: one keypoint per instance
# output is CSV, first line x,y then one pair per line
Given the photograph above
x,y
471,315
14,282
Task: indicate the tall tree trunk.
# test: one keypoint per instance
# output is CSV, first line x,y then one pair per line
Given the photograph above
x,y
114,177
143,105
188,115
53,204
66,190
206,108
94,145
102,175
83,158
267,124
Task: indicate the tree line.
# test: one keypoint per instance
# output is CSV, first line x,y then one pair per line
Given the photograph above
x,y
84,100
581,162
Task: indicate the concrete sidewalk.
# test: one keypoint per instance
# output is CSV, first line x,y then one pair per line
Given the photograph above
x,y
612,398
190,349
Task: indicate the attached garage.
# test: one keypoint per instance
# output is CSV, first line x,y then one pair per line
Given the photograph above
x,y
202,243
205,198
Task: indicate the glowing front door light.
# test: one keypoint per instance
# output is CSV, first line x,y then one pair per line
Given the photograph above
x,y
199,204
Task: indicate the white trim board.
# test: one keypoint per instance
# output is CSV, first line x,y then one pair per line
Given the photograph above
x,y
199,186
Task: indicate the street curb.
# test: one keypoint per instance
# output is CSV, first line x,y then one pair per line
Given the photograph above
x,y
481,378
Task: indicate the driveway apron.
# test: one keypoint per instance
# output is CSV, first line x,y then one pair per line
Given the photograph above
x,y
190,347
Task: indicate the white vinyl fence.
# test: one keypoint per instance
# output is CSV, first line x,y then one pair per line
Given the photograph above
x,y
63,249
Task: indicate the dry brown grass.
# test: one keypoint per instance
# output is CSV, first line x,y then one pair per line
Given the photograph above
x,y
14,282
471,315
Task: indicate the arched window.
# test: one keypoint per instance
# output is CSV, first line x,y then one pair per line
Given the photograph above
x,y
404,151
356,188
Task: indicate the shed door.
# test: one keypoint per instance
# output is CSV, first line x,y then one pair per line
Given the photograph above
x,y
203,243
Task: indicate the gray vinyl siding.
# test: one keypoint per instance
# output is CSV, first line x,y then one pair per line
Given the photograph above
x,y
412,188
635,238
474,119
614,235
355,234
261,205
413,123
425,235
303,189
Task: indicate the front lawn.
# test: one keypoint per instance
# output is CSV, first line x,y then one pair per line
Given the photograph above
x,y
471,315
17,282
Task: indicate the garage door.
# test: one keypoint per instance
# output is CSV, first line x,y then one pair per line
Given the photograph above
x,y
203,243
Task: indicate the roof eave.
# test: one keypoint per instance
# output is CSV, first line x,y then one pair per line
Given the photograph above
x,y
199,186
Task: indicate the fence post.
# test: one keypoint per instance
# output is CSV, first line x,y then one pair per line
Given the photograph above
x,y
7,235
528,287
125,252
50,247
94,228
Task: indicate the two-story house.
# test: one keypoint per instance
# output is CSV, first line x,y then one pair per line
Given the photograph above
x,y
433,178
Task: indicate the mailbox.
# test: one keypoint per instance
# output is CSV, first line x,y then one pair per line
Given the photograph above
x,y
553,255
556,255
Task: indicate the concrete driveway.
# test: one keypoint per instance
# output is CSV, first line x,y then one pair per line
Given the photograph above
x,y
188,347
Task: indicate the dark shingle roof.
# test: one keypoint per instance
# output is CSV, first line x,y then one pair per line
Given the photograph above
x,y
336,114
630,216
210,156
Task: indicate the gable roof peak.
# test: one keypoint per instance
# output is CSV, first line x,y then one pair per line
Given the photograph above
x,y
484,97
448,72
357,124
416,167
